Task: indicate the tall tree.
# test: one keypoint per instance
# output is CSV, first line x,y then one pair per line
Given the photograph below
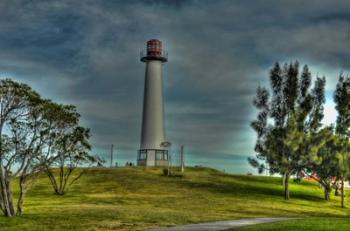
x,y
288,113
342,102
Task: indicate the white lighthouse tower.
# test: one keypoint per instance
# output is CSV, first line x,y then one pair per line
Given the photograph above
x,y
153,150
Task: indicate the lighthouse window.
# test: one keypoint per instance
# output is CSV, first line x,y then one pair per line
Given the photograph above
x,y
143,155
161,155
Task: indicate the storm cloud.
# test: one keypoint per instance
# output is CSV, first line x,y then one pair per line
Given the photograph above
x,y
87,53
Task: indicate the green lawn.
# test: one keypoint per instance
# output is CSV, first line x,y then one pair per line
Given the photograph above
x,y
310,224
139,198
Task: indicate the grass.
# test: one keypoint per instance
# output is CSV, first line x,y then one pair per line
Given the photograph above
x,y
310,224
139,199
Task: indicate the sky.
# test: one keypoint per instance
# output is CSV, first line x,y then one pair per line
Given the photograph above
x,y
86,53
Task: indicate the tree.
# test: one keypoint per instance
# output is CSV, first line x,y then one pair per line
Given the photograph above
x,y
21,140
68,147
289,113
28,140
324,164
29,132
71,151
342,101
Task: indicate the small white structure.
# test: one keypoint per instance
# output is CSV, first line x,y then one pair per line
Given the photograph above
x,y
153,151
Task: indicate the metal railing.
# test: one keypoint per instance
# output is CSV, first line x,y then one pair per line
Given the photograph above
x,y
144,54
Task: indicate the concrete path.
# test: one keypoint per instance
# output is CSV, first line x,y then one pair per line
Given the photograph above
x,y
223,225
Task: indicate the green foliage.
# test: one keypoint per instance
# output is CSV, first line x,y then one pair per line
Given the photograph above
x,y
21,140
31,140
289,117
323,162
342,101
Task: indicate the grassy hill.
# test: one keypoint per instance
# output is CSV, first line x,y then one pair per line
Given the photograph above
x,y
140,198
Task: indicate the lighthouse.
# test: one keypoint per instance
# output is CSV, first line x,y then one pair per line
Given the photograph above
x,y
153,149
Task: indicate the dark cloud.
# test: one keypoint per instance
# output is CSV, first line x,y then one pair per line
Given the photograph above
x,y
87,53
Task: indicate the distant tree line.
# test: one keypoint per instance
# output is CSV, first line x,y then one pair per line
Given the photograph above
x,y
37,136
291,139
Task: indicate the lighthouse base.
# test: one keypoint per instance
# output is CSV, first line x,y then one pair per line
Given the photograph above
x,y
152,157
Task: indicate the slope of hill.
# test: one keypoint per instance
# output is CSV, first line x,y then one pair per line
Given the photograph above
x,y
139,198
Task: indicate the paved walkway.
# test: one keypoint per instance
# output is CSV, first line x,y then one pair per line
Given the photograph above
x,y
223,225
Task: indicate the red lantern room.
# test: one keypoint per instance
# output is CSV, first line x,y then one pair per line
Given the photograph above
x,y
154,47
154,51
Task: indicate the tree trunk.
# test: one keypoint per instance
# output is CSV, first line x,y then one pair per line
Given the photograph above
x,y
342,193
1,203
61,175
2,207
52,180
22,189
286,185
336,192
6,193
9,195
20,203
5,204
327,193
